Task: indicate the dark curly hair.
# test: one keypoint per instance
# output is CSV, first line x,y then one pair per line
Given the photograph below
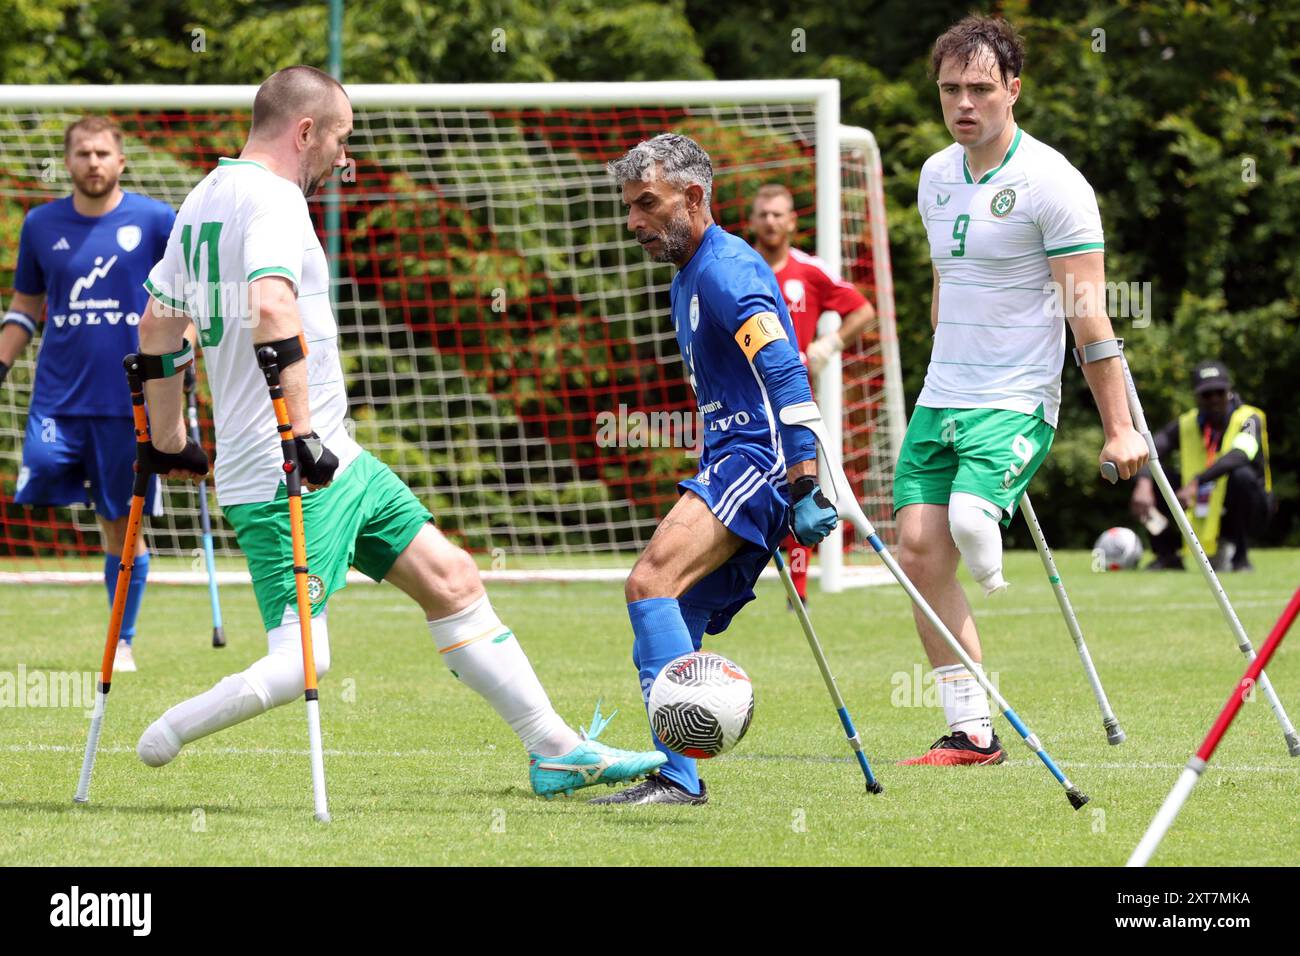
x,y
965,39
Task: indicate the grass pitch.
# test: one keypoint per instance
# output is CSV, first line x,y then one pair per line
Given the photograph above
x,y
420,771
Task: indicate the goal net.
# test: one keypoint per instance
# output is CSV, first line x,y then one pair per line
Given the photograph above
x,y
507,345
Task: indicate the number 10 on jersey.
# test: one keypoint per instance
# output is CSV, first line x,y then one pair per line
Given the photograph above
x,y
211,326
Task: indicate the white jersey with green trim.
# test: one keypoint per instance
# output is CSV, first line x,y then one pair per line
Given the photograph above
x,y
240,223
1000,340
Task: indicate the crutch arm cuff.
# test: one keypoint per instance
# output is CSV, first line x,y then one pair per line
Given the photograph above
x,y
1097,351
165,366
287,351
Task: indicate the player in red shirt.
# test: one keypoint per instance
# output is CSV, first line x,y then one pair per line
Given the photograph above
x,y
810,288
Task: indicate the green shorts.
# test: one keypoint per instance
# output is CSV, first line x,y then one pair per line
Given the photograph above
x,y
988,452
364,519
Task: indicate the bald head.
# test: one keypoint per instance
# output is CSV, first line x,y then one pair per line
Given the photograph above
x,y
301,122
293,94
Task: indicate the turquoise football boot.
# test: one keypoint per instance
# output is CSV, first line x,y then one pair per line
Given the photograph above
x,y
589,763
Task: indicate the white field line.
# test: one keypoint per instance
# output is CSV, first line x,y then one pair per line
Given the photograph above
x,y
779,758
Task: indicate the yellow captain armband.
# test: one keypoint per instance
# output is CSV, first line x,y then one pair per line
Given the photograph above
x,y
758,330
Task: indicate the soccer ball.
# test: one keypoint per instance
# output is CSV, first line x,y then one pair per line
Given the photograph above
x,y
701,704
1118,549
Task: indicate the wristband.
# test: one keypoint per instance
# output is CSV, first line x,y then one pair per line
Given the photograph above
x,y
21,319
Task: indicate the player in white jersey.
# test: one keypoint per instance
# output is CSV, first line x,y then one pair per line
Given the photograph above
x,y
244,264
1017,251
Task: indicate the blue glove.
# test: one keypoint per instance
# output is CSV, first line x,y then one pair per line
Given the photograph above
x,y
812,517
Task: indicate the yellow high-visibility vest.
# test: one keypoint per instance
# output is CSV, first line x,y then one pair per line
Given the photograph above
x,y
1194,459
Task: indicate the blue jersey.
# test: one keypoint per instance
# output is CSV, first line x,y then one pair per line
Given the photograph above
x,y
92,271
725,284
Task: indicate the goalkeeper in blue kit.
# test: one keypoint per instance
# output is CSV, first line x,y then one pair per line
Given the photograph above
x,y
758,477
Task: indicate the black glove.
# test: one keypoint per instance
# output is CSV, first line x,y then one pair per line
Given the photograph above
x,y
316,462
190,378
191,458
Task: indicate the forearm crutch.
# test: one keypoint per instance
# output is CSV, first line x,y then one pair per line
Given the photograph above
x,y
139,486
205,521
268,360
1111,474
841,710
1114,733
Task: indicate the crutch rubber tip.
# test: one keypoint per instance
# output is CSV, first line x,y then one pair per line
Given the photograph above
x,y
875,787
218,637
1293,744
81,799
1114,734
322,818
1076,797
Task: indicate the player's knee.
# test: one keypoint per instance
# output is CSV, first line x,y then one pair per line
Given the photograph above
x,y
917,556
460,583
645,581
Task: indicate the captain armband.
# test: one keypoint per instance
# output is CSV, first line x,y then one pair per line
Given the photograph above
x,y
758,331
287,351
165,366
20,319
1097,351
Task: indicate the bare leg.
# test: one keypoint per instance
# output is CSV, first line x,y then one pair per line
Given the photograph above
x,y
439,576
113,535
929,557
688,544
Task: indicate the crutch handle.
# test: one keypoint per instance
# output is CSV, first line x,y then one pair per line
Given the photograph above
x,y
1110,472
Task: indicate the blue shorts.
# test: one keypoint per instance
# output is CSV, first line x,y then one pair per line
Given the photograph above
x,y
750,499
64,455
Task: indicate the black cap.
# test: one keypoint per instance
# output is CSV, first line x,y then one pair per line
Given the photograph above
x,y
1211,377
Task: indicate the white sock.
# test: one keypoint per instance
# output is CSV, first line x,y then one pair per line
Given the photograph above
x,y
973,522
965,705
268,682
485,655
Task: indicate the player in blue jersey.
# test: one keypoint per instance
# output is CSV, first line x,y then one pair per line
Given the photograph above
x,y
83,260
758,477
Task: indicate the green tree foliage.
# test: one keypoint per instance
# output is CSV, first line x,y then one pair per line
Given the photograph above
x,y
1182,115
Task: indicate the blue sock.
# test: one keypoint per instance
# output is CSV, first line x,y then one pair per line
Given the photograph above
x,y
697,619
134,592
660,635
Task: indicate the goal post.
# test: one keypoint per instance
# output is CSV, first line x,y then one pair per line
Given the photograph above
x,y
507,346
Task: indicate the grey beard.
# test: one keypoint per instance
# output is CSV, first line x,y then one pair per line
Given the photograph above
x,y
675,242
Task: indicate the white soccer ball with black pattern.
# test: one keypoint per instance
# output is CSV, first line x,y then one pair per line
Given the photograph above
x,y
1118,549
701,704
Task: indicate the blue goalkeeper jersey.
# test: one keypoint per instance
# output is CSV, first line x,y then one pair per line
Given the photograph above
x,y
714,296
92,271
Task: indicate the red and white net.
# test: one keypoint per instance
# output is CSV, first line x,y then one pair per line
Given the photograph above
x,y
493,310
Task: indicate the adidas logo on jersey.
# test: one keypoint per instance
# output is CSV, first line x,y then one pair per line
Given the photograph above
x,y
62,245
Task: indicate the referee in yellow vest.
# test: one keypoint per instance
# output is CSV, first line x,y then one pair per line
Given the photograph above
x,y
1222,476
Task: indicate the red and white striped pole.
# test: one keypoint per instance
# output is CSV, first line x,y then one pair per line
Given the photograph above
x,y
1196,765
